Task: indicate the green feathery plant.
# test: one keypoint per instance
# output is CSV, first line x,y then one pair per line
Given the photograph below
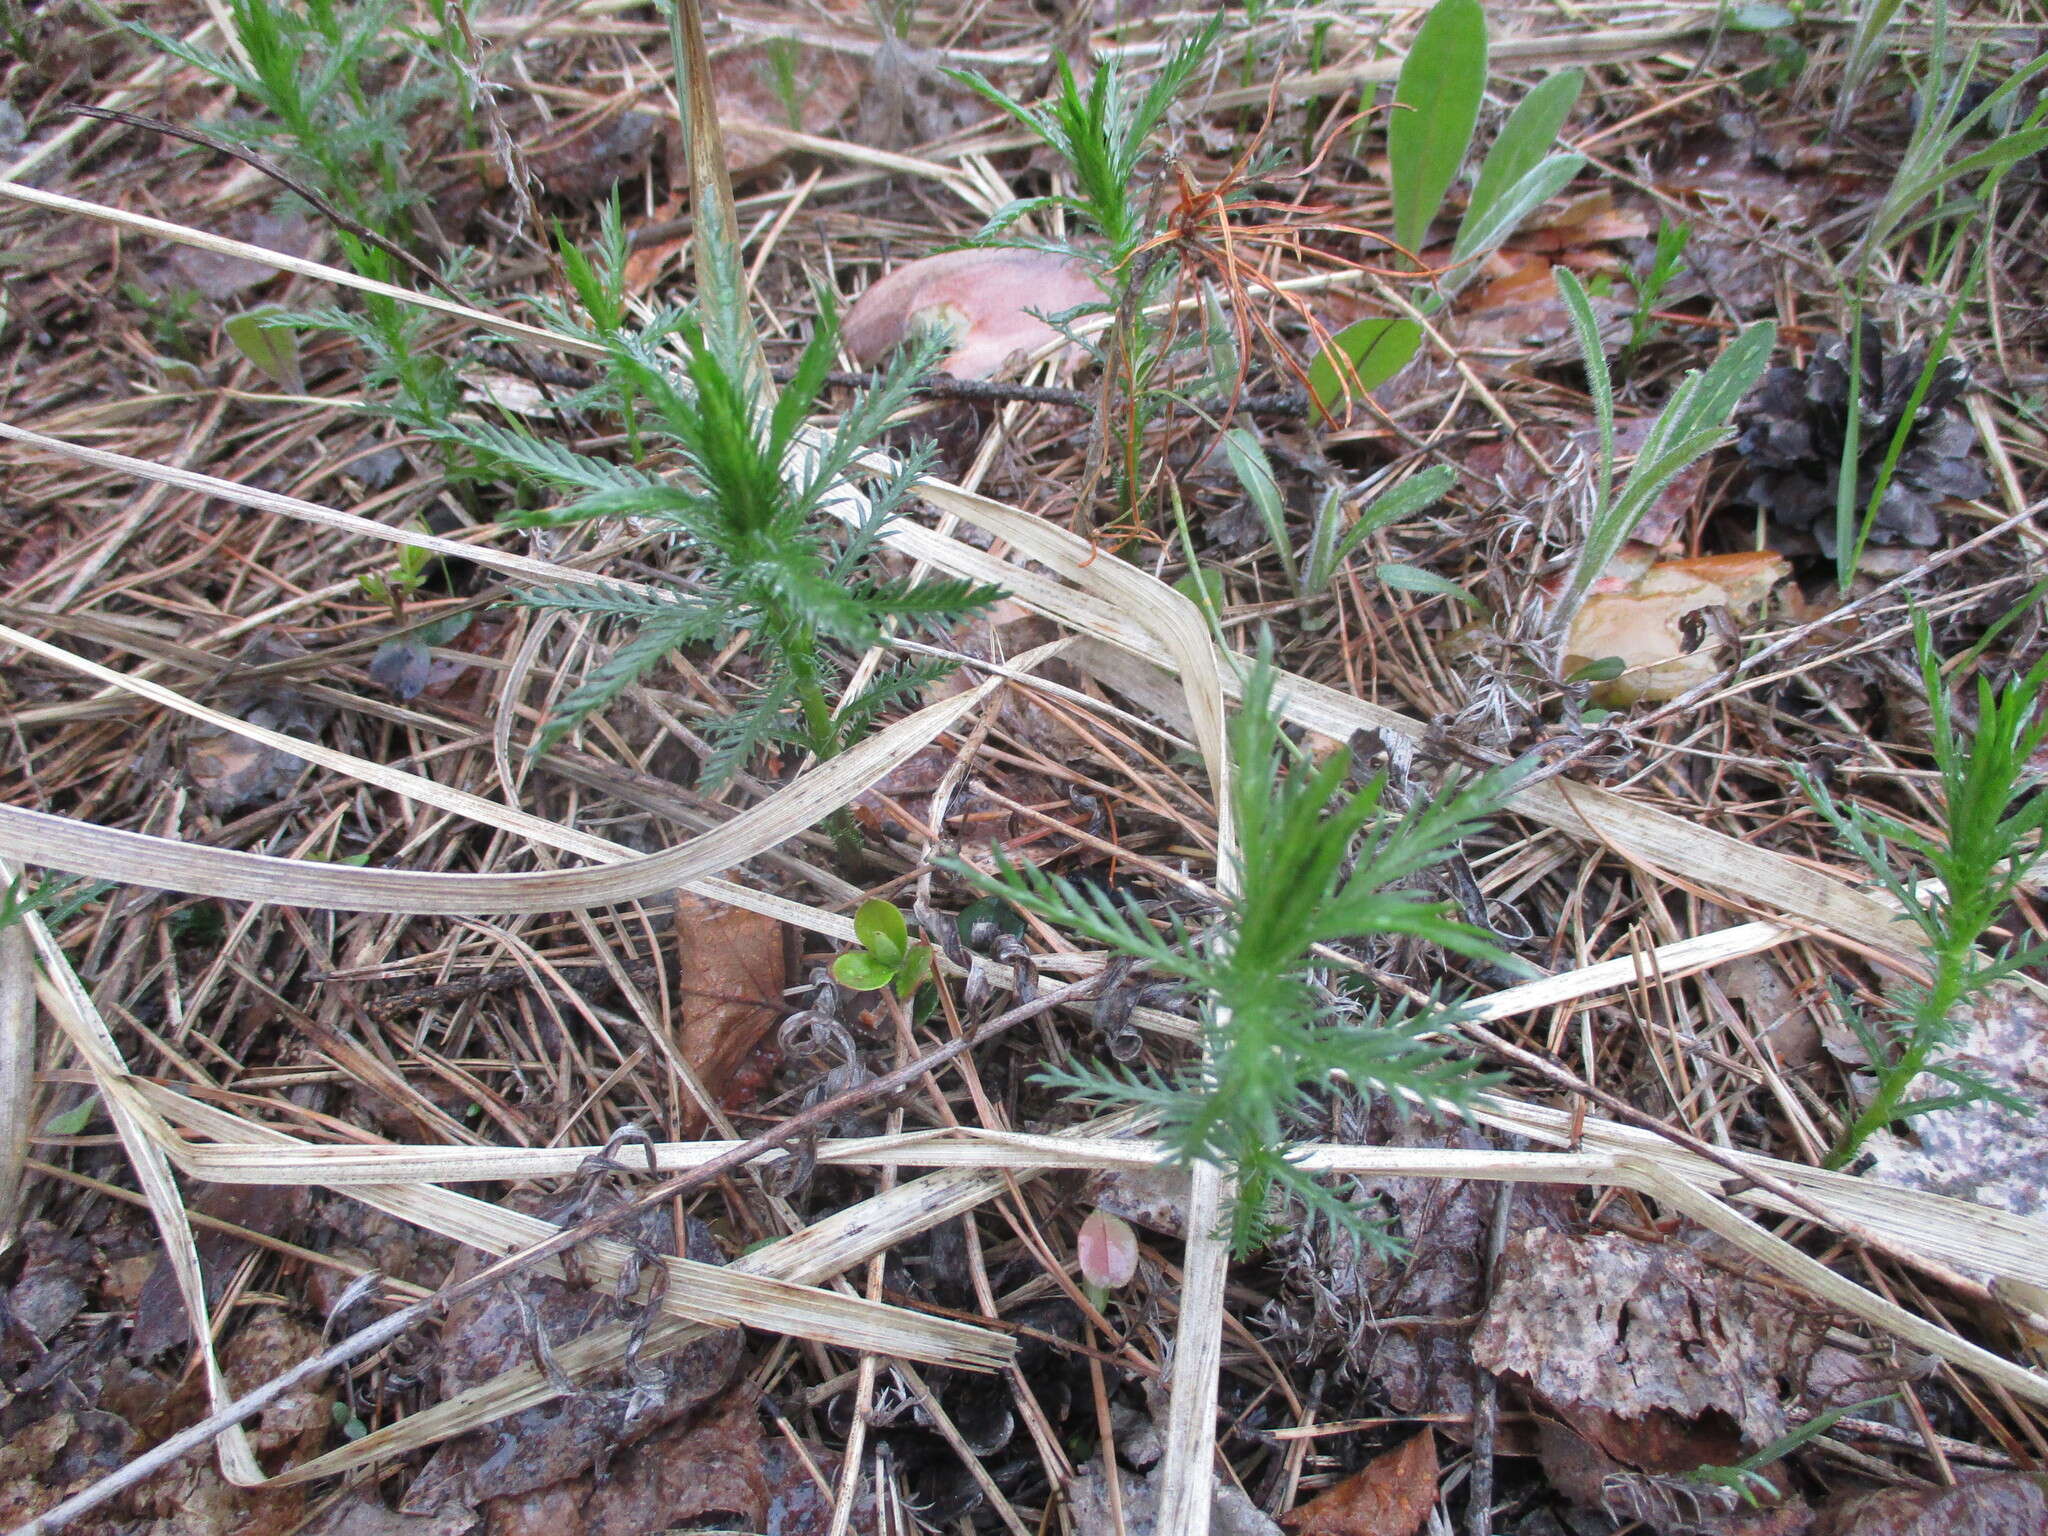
x,y
1994,810
744,486
332,107
310,74
1321,863
1103,135
1667,262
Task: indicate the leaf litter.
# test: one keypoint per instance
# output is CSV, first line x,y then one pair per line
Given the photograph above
x,y
1625,1351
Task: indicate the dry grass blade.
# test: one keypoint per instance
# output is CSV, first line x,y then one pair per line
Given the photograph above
x,y
717,1296
164,864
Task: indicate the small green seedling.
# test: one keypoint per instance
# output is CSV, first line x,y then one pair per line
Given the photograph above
x,y
1993,812
887,957
59,898
1666,264
1747,1476
1693,423
406,576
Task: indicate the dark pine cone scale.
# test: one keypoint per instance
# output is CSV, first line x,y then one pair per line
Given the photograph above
x,y
1792,429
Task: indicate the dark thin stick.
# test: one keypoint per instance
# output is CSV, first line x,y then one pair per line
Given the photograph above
x,y
1281,403
384,1331
1485,1385
277,174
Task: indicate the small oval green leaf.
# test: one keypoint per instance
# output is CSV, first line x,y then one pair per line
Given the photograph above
x,y
880,928
862,971
272,346
1605,670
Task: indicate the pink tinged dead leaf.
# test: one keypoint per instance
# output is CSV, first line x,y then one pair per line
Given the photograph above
x,y
1659,625
1108,1250
1391,1495
2005,1505
988,302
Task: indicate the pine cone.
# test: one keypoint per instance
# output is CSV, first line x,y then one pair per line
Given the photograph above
x,y
1793,426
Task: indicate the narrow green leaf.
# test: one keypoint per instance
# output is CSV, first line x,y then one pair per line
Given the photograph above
x,y
1255,473
1598,382
1436,109
1605,670
1413,578
272,346
1480,236
1359,359
1525,139
73,1121
1420,490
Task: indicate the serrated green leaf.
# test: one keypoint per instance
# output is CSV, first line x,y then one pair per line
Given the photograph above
x,y
270,345
861,971
1359,359
1436,109
880,928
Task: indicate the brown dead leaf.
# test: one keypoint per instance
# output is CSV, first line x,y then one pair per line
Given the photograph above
x,y
1659,1359
1650,624
730,971
1335,1292
1985,1151
1391,1495
983,299
583,161
646,262
483,1336
1590,219
230,771
714,1465
2009,1504
361,1512
1669,1506
44,1462
750,98
264,1347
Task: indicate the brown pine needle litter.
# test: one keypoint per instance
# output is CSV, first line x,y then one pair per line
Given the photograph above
x,y
281,661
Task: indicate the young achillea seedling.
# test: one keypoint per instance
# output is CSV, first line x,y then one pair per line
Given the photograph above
x,y
1321,863
768,565
1994,810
